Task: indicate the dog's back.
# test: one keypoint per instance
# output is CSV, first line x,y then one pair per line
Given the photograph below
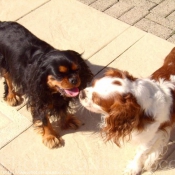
x,y
168,69
167,72
14,38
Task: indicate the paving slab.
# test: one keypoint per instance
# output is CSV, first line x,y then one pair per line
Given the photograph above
x,y
141,59
144,4
84,153
144,57
102,4
171,16
161,20
26,113
87,1
87,33
156,1
172,38
137,14
165,8
4,171
113,50
161,13
154,28
12,124
13,11
119,9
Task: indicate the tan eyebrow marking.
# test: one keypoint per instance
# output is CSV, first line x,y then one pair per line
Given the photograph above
x,y
74,67
62,69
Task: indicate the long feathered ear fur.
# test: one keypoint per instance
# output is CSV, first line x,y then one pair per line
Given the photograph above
x,y
124,116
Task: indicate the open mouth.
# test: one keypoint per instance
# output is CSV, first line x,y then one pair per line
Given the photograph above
x,y
73,92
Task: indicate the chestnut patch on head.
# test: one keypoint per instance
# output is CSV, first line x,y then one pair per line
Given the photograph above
x,y
63,69
119,74
114,73
117,83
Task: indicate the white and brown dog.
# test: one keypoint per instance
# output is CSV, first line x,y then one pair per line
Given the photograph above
x,y
136,109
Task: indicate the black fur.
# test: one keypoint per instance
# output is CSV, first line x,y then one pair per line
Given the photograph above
x,y
29,61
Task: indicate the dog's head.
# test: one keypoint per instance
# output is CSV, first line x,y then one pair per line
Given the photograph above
x,y
127,103
105,93
66,72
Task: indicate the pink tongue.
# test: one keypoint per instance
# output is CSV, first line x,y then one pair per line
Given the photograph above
x,y
72,92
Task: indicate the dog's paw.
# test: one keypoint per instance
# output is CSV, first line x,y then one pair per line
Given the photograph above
x,y
51,141
72,123
13,99
133,169
131,172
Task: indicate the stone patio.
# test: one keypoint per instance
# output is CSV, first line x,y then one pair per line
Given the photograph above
x,y
105,42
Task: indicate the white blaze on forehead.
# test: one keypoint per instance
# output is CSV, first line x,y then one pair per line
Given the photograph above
x,y
106,86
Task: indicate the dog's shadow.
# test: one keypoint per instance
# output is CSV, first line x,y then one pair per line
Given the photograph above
x,y
89,119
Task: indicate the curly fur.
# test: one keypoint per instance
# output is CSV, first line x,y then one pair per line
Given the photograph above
x,y
124,117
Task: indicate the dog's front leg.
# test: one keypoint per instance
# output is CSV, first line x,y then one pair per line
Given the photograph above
x,y
10,96
71,122
136,165
50,137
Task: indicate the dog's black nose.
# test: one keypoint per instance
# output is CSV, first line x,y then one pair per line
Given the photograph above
x,y
73,81
82,94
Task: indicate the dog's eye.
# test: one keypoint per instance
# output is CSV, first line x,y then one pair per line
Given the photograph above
x,y
52,78
59,78
77,70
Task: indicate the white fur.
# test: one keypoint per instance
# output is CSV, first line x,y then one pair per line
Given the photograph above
x,y
155,99
105,86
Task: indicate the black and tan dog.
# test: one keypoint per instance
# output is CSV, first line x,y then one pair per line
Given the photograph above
x,y
49,78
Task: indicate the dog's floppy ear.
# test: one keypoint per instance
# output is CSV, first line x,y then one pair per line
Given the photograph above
x,y
123,117
85,72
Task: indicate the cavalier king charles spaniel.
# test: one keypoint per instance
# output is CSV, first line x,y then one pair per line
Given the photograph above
x,y
141,110
49,78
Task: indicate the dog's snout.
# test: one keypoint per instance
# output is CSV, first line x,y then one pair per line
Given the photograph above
x,y
73,81
82,94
